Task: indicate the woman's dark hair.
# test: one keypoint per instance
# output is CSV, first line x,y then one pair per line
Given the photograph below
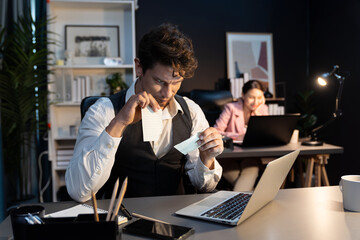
x,y
165,44
251,84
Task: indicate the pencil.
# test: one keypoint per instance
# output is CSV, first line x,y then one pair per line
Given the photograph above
x,y
125,211
96,215
148,218
120,198
113,196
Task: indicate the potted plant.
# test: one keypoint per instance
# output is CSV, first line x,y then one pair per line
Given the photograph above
x,y
116,83
304,104
23,99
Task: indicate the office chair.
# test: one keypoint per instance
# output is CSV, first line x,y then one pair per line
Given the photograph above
x,y
86,103
62,194
211,102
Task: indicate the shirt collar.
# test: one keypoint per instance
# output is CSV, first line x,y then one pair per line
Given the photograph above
x,y
171,109
130,91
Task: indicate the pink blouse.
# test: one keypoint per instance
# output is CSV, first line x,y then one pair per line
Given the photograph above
x,y
231,121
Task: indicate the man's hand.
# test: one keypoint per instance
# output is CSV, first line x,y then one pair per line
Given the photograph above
x,y
211,146
131,113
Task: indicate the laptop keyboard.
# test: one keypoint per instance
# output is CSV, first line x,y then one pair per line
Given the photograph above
x,y
230,209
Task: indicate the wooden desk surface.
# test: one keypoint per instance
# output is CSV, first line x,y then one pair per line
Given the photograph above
x,y
297,214
276,151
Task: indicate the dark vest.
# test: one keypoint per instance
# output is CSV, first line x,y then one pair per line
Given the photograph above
x,y
147,174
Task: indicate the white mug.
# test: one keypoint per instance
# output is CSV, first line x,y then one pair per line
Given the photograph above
x,y
350,188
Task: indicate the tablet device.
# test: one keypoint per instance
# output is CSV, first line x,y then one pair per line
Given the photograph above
x,y
159,230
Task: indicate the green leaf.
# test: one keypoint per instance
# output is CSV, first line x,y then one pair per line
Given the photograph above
x,y
23,109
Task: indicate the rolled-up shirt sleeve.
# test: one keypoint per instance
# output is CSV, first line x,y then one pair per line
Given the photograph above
x,y
94,152
200,176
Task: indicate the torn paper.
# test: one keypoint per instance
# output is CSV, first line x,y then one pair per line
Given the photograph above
x,y
151,124
188,145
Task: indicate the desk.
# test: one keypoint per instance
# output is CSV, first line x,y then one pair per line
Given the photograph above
x,y
316,157
297,214
277,151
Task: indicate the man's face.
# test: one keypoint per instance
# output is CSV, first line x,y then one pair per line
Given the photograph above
x,y
161,82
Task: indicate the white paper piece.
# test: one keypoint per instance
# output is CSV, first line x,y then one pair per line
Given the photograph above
x,y
151,124
81,209
74,211
188,145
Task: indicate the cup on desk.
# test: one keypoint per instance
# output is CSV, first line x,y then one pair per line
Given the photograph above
x,y
350,188
18,218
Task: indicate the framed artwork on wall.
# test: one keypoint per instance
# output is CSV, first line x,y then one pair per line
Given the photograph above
x,y
251,53
90,44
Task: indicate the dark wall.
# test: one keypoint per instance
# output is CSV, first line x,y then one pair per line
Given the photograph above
x,y
335,39
207,22
309,37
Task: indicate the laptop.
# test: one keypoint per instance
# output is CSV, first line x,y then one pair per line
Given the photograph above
x,y
232,208
269,130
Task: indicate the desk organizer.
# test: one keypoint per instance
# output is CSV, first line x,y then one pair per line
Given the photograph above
x,y
68,228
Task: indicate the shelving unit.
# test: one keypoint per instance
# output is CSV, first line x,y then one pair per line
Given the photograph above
x,y
276,106
64,110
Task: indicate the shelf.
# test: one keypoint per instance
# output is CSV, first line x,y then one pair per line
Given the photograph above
x,y
64,138
69,84
267,99
92,4
67,104
57,168
124,66
275,99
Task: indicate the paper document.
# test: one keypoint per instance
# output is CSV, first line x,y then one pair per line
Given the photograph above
x,y
188,145
151,124
81,209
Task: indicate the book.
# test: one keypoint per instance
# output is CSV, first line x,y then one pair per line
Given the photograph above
x,y
81,88
81,209
87,87
63,157
236,85
65,152
62,163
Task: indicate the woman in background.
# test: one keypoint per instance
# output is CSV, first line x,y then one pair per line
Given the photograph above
x,y
232,123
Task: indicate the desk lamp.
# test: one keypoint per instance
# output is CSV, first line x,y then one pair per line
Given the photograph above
x,y
322,81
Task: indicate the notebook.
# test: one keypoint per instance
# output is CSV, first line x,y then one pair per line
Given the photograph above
x,y
81,209
269,130
243,204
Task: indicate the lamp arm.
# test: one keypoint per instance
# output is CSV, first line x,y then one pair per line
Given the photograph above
x,y
339,93
337,113
315,130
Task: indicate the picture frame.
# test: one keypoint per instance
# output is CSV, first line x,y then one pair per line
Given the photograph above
x,y
90,44
251,53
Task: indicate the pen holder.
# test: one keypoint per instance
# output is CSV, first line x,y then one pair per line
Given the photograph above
x,y
18,217
81,227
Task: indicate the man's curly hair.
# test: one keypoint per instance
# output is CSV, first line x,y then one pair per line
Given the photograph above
x,y
165,44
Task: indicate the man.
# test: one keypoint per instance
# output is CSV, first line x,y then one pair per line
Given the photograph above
x,y
110,146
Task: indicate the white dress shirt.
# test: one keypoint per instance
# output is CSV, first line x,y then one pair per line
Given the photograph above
x,y
95,149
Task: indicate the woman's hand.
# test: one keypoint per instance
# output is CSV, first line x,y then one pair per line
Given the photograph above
x,y
261,103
